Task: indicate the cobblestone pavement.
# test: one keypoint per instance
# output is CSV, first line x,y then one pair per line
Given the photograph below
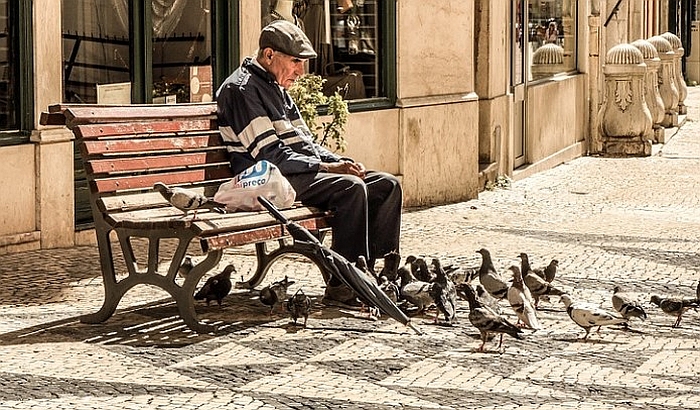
x,y
628,222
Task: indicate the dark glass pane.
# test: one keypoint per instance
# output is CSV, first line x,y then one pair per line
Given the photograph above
x,y
96,51
344,33
182,51
8,111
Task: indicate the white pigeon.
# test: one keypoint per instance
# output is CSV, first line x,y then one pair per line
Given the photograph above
x,y
520,300
187,200
588,316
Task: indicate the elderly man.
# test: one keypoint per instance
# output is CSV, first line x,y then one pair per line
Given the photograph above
x,y
259,121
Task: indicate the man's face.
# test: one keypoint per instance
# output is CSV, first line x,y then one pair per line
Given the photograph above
x,y
285,68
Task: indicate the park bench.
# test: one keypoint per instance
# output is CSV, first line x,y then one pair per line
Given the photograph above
x,y
125,150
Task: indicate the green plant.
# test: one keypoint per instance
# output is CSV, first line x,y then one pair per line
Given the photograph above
x,y
502,181
306,92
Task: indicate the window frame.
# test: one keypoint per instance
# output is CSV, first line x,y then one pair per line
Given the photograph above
x,y
387,64
225,49
569,72
21,26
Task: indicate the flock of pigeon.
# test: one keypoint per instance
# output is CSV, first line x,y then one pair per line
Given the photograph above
x,y
416,287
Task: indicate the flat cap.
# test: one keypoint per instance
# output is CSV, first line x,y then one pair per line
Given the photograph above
x,y
281,35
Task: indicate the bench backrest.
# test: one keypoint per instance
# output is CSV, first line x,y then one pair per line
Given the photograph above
x,y
127,149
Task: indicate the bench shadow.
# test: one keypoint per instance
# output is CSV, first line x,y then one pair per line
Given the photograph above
x,y
158,324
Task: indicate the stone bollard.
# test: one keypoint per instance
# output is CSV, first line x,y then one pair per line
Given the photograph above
x,y
651,88
547,61
677,48
667,83
624,121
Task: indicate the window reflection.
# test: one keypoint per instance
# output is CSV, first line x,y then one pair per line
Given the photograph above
x,y
181,51
551,37
95,49
7,71
344,33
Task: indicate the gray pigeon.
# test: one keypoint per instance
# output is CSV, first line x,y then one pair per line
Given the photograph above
x,y
298,306
550,271
416,292
217,286
389,288
675,306
392,260
487,299
589,316
420,270
444,294
626,305
186,266
486,320
489,278
188,200
539,286
275,293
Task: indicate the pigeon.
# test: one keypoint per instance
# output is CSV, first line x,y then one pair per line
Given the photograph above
x,y
487,299
444,294
188,200
420,270
298,306
217,286
391,265
416,292
185,267
626,306
486,320
675,306
389,288
697,291
524,263
549,272
539,286
521,301
457,274
489,278
588,316
275,293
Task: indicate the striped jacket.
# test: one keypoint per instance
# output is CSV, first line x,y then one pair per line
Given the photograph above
x,y
258,120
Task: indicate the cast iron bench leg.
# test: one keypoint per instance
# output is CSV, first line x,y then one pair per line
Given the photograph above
x,y
266,258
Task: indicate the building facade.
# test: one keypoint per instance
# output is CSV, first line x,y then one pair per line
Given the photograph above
x,y
453,93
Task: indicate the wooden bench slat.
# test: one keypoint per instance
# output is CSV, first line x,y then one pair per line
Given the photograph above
x,y
261,234
160,162
207,223
86,114
145,181
94,131
137,146
145,200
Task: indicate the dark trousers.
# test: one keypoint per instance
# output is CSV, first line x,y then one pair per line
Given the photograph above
x,y
367,212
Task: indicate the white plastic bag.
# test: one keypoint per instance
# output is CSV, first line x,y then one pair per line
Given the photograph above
x,y
261,179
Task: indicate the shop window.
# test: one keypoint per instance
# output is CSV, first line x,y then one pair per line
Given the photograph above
x,y
181,51
8,117
96,51
170,42
552,37
346,34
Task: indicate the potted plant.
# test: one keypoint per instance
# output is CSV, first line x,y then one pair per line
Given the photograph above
x,y
306,92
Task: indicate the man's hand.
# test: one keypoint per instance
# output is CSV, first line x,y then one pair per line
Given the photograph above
x,y
343,167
